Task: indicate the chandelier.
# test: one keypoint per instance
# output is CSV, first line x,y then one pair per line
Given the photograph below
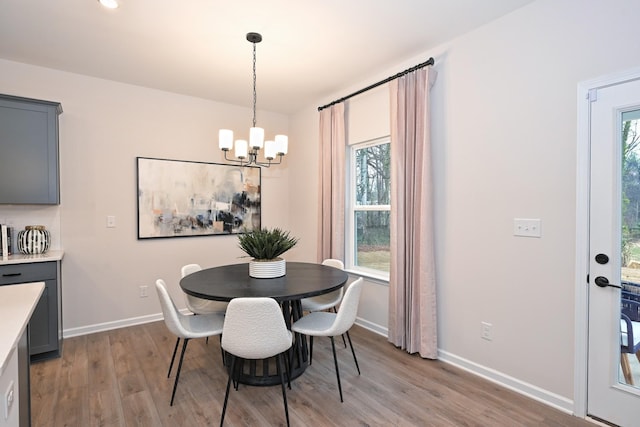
x,y
246,152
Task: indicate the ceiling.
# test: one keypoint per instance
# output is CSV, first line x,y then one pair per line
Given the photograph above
x,y
310,49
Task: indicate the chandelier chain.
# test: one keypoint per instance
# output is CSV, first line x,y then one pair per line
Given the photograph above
x,y
254,85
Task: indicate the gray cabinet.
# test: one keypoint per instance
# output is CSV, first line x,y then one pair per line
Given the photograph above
x,y
24,380
45,327
29,167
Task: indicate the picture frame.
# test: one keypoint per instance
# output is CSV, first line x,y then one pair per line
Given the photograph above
x,y
181,198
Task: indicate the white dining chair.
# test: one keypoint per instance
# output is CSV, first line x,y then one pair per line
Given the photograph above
x,y
325,301
254,328
200,305
185,327
327,324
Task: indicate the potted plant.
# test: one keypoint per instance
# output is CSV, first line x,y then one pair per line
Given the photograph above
x,y
265,247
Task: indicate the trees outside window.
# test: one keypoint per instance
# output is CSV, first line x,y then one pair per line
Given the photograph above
x,y
368,206
630,187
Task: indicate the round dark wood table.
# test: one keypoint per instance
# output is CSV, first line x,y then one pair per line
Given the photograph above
x,y
302,280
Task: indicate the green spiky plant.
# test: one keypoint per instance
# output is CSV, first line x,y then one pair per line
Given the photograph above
x,y
266,244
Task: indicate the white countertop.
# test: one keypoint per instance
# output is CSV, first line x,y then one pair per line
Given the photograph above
x,y
17,303
18,258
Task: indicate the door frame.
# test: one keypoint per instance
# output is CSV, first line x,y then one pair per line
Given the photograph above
x,y
583,175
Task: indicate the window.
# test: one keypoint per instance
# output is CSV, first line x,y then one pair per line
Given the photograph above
x,y
368,208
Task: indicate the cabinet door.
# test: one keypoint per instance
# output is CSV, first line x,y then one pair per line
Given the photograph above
x,y
43,327
28,151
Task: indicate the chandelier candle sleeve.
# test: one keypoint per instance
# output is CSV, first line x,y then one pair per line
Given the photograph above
x,y
241,149
256,137
225,139
269,150
282,143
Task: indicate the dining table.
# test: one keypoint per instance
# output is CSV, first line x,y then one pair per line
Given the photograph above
x,y
302,280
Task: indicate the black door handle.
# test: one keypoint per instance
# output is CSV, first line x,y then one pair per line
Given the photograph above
x,y
603,282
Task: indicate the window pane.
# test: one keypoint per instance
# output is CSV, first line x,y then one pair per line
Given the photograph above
x,y
373,175
631,196
372,240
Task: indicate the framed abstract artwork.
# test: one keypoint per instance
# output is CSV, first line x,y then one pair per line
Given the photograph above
x,y
178,198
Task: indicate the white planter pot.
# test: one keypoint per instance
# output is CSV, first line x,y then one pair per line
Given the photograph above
x,y
267,269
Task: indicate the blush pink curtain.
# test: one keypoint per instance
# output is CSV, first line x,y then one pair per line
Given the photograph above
x,y
332,184
412,285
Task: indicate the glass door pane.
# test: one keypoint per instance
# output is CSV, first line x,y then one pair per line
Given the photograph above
x,y
630,248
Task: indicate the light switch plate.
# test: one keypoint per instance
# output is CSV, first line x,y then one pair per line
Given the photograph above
x,y
111,221
527,227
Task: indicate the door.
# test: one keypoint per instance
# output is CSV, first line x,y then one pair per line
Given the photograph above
x,y
614,252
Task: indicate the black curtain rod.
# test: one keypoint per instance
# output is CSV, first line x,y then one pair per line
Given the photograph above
x,y
429,61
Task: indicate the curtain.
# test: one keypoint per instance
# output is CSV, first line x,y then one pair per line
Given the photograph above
x,y
412,287
332,183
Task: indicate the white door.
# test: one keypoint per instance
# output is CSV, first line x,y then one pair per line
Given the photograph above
x,y
614,251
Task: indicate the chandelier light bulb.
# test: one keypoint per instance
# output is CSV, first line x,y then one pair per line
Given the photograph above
x,y
225,139
241,149
269,150
256,138
282,144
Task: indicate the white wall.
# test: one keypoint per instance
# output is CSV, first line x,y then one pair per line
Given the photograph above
x,y
104,126
504,133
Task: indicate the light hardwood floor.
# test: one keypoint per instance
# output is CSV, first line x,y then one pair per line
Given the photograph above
x,y
119,378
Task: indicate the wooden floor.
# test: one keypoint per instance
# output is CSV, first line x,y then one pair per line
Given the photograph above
x,y
119,378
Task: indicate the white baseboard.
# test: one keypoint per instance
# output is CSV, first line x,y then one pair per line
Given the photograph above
x,y
544,396
529,390
107,326
373,327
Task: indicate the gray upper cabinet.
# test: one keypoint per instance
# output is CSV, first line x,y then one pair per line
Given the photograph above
x,y
29,167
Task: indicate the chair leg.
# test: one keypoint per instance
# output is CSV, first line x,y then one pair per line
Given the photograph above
x,y
226,394
353,352
310,349
173,357
284,390
626,368
335,360
175,384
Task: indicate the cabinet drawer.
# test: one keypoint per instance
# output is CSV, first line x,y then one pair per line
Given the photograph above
x,y
31,272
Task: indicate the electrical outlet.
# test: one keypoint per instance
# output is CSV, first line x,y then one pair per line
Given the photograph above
x,y
111,221
144,291
486,332
9,398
